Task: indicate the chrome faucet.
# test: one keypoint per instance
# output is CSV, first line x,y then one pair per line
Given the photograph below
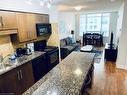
x,y
3,60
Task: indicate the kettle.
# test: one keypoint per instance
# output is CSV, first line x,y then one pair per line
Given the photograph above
x,y
28,51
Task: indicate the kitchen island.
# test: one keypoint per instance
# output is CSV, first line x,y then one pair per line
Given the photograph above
x,y
67,78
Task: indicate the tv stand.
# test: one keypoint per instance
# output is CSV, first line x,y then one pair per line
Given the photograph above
x,y
110,53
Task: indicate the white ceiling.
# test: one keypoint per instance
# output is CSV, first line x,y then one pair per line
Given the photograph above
x,y
68,5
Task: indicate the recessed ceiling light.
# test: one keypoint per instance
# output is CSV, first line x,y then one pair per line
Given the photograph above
x,y
29,2
48,5
78,8
42,3
112,0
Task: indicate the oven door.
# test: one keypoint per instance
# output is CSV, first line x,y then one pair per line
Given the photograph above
x,y
53,58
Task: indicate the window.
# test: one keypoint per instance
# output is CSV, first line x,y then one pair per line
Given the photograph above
x,y
82,26
94,23
105,24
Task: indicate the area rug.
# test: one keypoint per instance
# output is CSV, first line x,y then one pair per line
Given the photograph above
x,y
98,56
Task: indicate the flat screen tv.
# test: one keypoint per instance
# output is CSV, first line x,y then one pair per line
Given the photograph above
x,y
43,29
111,41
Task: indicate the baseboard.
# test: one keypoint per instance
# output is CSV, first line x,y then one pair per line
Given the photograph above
x,y
121,67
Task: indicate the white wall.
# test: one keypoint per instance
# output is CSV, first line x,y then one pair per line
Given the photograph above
x,y
21,5
53,12
122,48
119,24
66,23
112,27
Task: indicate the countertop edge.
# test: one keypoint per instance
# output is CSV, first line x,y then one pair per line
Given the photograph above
x,y
33,56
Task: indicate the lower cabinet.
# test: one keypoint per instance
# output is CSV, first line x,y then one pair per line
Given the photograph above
x,y
40,67
9,83
88,81
26,76
17,80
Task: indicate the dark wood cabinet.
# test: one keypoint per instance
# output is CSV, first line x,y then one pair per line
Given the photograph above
x,y
40,67
26,76
17,80
88,81
9,83
110,53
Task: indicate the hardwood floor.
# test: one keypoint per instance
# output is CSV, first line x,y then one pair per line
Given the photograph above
x,y
108,80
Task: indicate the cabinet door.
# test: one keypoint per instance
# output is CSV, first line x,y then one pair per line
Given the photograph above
x,y
46,18
26,27
31,26
42,18
8,20
27,79
40,67
22,27
9,83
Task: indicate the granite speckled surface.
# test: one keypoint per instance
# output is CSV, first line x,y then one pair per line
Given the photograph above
x,y
19,61
66,78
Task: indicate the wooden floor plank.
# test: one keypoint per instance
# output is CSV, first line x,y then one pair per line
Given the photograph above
x,y
108,80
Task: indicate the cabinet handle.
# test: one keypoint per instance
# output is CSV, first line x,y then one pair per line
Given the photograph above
x,y
2,21
18,75
21,74
29,35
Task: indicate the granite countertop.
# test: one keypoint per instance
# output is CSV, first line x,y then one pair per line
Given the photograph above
x,y
11,64
66,78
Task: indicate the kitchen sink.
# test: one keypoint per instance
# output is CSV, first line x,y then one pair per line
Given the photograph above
x,y
6,66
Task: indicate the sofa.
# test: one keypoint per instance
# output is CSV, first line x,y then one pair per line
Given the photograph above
x,y
67,45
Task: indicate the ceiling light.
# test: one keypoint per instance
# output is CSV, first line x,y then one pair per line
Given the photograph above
x,y
42,3
112,0
29,2
48,5
78,8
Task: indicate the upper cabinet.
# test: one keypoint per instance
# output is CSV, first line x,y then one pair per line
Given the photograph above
x,y
42,18
31,25
7,20
21,24
26,27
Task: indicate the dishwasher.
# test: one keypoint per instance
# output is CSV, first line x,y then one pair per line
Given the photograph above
x,y
40,67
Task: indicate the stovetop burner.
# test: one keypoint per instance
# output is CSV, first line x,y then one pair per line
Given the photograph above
x,y
49,48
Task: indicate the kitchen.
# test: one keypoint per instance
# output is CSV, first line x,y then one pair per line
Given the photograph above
x,y
24,45
35,56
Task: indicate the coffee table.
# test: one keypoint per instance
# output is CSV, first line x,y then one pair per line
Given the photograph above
x,y
87,48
